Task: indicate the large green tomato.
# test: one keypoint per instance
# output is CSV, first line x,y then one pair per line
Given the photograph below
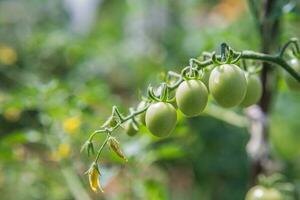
x,y
161,119
254,90
285,126
191,97
262,193
228,85
291,82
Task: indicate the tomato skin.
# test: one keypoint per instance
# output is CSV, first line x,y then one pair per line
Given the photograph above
x,y
161,119
291,82
262,193
130,128
141,117
254,90
228,85
191,97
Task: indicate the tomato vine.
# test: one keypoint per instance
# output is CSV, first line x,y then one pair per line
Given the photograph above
x,y
193,71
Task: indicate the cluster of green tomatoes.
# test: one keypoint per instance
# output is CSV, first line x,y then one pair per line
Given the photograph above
x,y
228,84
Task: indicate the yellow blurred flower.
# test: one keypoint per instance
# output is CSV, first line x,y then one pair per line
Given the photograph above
x,y
8,55
94,175
63,151
12,114
71,125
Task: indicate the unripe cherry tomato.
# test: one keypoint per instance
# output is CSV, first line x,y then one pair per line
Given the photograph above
x,y
228,85
161,119
130,128
141,117
291,82
262,193
254,90
191,97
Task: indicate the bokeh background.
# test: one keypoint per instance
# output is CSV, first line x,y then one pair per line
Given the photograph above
x,y
65,63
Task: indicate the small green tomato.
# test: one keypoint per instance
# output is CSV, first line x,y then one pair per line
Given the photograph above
x,y
262,193
191,97
228,85
130,128
161,119
254,90
291,82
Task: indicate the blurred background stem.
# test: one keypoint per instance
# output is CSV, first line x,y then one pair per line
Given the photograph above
x,y
268,24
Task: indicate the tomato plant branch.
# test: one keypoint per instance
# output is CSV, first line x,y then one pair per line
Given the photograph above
x,y
277,59
247,54
228,55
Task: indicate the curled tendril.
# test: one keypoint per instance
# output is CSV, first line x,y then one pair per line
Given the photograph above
x,y
205,56
163,91
178,80
295,47
151,94
190,73
172,74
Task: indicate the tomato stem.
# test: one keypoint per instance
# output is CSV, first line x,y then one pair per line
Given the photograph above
x,y
209,59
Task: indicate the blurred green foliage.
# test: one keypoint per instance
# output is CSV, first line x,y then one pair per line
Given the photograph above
x,y
63,64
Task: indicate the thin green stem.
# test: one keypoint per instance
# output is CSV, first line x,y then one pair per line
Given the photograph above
x,y
135,113
175,85
95,132
101,148
131,116
117,112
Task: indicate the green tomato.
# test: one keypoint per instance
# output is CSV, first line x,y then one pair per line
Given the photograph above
x,y
191,97
141,117
254,90
228,85
161,119
291,82
130,128
262,193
